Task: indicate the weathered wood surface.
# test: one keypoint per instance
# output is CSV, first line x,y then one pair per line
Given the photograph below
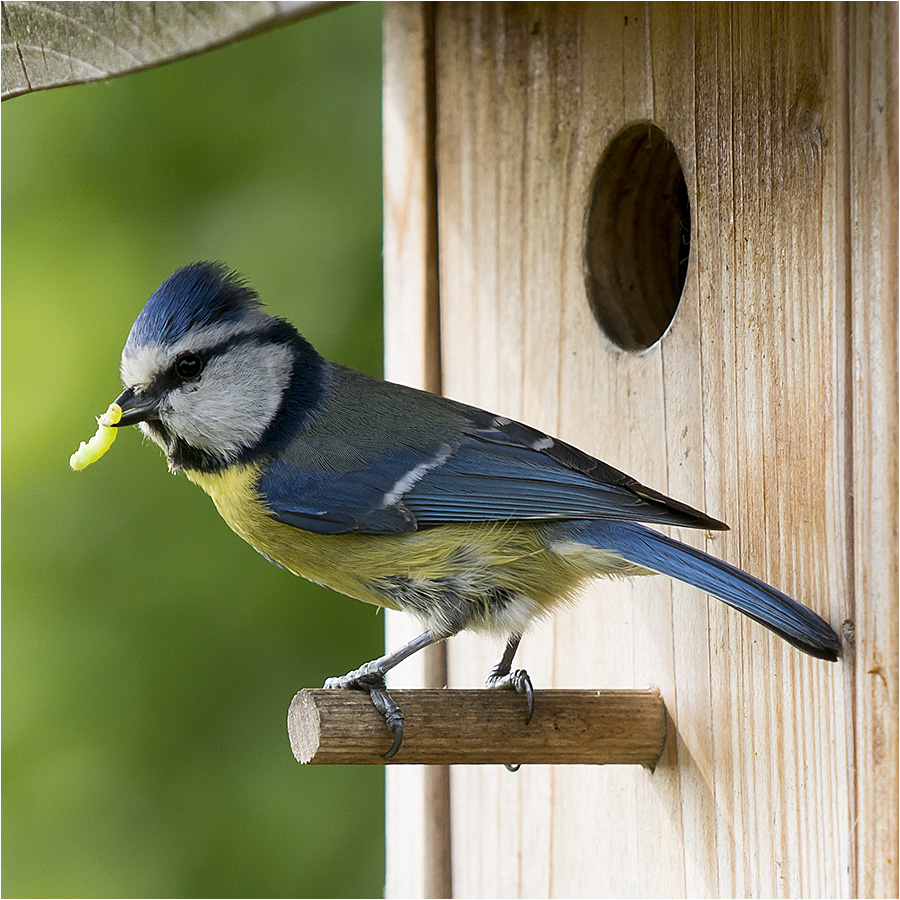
x,y
48,45
771,402
481,727
871,61
417,800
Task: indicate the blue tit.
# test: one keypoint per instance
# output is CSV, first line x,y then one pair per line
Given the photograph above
x,y
400,498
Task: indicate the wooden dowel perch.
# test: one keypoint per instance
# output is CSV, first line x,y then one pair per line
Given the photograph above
x,y
450,727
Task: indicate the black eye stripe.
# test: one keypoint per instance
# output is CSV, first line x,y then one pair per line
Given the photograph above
x,y
275,332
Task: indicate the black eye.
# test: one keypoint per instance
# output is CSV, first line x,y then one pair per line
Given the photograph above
x,y
188,366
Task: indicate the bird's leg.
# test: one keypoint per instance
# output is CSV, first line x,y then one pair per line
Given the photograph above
x,y
370,677
518,680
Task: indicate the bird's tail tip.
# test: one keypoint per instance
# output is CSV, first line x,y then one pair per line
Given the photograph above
x,y
798,625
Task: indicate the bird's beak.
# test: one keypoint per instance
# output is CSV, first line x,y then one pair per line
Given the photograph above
x,y
136,408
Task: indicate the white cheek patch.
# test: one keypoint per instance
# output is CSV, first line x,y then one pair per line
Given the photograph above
x,y
234,401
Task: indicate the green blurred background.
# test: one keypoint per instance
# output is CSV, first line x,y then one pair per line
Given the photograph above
x,y
149,655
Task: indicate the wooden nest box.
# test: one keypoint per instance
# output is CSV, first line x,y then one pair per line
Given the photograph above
x,y
667,233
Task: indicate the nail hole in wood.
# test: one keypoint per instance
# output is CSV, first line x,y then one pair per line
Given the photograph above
x,y
637,237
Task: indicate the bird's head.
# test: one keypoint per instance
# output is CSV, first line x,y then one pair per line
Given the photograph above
x,y
212,378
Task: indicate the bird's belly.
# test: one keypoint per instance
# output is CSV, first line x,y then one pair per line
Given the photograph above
x,y
492,577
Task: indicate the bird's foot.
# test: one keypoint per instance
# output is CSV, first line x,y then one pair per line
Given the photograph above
x,y
517,680
370,678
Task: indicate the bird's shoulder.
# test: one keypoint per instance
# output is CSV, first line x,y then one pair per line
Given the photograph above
x,y
345,467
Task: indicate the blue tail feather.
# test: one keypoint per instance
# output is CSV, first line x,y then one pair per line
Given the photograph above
x,y
754,598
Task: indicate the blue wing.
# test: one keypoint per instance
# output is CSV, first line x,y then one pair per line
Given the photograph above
x,y
354,471
336,502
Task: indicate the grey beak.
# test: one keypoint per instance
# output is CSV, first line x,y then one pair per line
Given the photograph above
x,y
136,408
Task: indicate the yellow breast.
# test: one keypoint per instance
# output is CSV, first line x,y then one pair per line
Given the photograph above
x,y
324,559
475,562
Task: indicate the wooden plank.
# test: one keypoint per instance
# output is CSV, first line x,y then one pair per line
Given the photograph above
x,y
750,405
769,400
497,846
417,799
873,92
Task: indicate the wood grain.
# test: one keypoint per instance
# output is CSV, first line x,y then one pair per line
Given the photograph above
x,y
417,800
770,401
483,727
873,314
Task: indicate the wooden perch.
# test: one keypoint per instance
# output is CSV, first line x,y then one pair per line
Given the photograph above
x,y
475,727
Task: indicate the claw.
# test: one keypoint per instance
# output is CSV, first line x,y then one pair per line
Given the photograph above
x,y
518,681
523,685
393,716
398,740
368,678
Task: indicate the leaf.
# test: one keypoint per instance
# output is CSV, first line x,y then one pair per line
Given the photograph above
x,y
47,45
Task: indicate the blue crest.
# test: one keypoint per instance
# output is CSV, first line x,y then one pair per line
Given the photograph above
x,y
192,297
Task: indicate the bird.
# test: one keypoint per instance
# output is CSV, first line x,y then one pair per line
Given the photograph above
x,y
401,498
